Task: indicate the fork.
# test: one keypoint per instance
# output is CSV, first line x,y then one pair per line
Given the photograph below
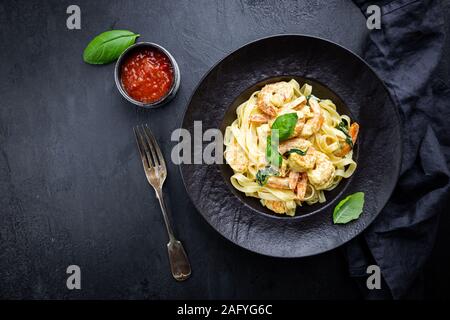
x,y
156,172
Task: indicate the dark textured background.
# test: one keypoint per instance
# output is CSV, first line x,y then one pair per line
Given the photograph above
x,y
72,189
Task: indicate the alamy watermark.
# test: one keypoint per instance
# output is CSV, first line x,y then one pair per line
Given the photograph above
x,y
74,279
373,17
374,280
73,21
191,150
186,152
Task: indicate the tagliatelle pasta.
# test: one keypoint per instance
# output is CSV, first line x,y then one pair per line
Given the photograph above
x,y
315,147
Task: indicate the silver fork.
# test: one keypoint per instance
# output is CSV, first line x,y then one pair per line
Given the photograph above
x,y
156,172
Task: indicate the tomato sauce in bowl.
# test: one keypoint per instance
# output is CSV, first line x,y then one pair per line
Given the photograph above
x,y
147,75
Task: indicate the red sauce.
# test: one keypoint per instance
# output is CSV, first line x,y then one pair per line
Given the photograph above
x,y
147,75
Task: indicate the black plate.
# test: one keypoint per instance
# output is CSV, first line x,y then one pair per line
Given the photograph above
x,y
335,73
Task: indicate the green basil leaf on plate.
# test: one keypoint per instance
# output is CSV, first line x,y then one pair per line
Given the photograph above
x,y
297,151
263,175
343,126
108,46
285,124
348,209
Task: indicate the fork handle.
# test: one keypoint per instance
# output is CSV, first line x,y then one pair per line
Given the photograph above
x,y
165,212
179,262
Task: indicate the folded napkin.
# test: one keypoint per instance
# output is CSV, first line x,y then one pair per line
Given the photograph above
x,y
405,53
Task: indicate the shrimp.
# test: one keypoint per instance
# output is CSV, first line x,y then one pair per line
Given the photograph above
x,y
353,132
302,183
278,182
259,118
322,175
293,178
295,143
236,158
298,127
304,163
288,182
315,123
297,162
276,206
272,96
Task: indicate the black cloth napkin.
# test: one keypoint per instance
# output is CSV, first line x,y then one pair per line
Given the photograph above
x,y
405,53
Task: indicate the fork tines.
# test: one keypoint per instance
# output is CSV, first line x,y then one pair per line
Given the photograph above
x,y
148,147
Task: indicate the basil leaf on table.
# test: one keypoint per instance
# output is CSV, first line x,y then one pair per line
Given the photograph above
x,y
285,125
108,46
349,208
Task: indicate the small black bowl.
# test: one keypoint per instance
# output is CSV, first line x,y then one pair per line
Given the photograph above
x,y
176,75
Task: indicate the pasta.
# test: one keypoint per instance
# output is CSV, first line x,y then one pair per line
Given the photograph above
x,y
313,154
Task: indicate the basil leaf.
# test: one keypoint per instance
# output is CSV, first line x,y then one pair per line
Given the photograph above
x,y
298,151
343,126
349,141
263,175
285,125
349,208
272,154
344,123
108,46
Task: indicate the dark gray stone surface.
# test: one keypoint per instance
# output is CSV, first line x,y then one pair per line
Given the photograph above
x,y
72,189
